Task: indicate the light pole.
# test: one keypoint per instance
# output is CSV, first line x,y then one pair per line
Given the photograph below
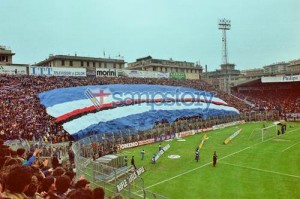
x,y
224,25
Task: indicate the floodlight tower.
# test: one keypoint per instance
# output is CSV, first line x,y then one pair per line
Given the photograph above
x,y
224,25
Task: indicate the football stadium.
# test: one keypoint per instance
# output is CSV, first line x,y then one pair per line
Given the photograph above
x,y
142,127
140,138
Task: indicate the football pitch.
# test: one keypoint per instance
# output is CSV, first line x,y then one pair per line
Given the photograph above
x,y
246,166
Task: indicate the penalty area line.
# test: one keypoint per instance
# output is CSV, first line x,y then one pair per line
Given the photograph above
x,y
261,170
189,171
166,180
290,147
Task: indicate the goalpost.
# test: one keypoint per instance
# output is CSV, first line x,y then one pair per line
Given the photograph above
x,y
269,131
264,133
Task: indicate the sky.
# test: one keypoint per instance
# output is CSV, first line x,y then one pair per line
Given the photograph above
x,y
262,31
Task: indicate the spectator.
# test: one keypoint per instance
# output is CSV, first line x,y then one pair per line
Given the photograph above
x,y
98,193
81,194
48,184
71,156
55,162
31,192
82,184
59,171
2,186
18,181
62,185
21,152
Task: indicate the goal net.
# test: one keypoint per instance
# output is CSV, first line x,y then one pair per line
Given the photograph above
x,y
264,133
269,132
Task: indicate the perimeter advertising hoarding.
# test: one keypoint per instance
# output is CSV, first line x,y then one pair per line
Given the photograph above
x,y
13,70
57,71
283,78
107,72
177,76
111,72
143,74
127,181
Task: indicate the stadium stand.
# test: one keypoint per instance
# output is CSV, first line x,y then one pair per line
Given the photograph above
x,y
271,96
23,116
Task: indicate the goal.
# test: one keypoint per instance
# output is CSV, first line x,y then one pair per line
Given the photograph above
x,y
264,133
269,132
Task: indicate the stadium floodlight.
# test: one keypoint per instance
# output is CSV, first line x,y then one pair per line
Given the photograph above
x,y
224,25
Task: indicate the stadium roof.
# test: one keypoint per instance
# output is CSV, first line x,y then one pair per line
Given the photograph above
x,y
78,58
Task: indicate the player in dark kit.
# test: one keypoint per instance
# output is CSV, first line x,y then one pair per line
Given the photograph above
x,y
143,154
132,162
153,159
197,153
215,159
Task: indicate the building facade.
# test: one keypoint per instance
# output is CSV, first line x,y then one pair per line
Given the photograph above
x,y
253,72
79,61
185,69
276,68
222,78
294,66
6,56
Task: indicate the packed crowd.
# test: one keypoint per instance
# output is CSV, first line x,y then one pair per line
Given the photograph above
x,y
24,176
22,116
284,97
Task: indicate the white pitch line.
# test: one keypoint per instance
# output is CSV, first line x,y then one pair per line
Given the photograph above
x,y
195,169
166,180
290,147
262,170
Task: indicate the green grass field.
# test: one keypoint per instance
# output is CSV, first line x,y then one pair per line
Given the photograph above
x,y
246,167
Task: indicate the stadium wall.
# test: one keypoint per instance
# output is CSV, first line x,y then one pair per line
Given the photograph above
x,y
101,71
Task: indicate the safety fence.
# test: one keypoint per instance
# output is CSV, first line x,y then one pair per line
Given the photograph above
x,y
110,178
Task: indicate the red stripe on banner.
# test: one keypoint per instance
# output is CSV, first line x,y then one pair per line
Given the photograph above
x,y
78,112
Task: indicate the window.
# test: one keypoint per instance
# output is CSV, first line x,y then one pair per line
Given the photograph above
x,y
105,65
62,62
120,65
114,65
71,63
81,63
94,64
87,63
99,64
177,70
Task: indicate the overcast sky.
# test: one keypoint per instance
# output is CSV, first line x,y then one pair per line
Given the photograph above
x,y
263,31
